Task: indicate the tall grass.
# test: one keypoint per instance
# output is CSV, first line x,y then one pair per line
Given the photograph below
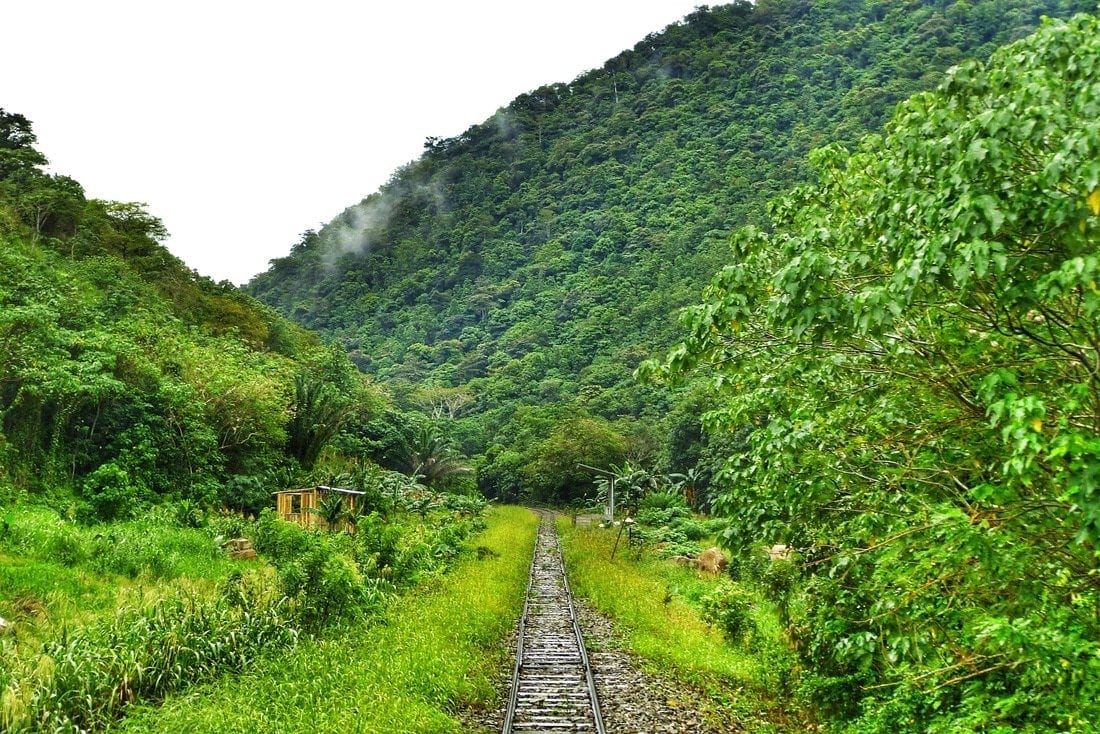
x,y
657,607
57,575
148,548
436,650
83,680
111,615
643,595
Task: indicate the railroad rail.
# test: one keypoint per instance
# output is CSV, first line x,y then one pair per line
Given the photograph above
x,y
552,687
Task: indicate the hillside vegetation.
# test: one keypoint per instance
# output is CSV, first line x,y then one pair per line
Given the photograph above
x,y
126,378
896,370
526,266
888,397
911,354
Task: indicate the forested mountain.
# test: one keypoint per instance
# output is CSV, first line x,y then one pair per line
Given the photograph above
x,y
125,377
528,265
897,362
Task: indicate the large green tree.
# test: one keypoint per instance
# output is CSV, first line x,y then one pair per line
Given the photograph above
x,y
914,349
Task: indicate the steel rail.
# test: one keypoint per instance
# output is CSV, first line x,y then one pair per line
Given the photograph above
x,y
553,689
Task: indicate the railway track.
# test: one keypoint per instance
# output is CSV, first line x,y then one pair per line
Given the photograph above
x,y
552,686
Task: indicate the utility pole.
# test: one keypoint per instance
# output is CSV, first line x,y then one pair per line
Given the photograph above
x,y
610,490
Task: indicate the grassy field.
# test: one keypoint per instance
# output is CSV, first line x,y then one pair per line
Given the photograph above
x,y
57,574
656,607
434,651
83,604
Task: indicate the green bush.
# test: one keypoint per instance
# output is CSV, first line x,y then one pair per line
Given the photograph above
x,y
111,494
245,493
466,504
690,528
715,525
280,540
748,566
323,586
226,525
446,540
779,581
378,545
659,516
668,500
729,607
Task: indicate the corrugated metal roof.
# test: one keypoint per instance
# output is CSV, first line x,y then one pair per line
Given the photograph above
x,y
322,488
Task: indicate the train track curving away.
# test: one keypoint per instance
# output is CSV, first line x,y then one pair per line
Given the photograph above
x,y
552,687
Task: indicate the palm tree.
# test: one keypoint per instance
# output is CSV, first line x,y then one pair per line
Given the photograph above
x,y
331,509
428,454
318,412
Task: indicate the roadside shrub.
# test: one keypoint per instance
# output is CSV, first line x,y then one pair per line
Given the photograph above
x,y
226,525
471,505
832,695
447,539
378,545
715,525
748,566
414,557
324,586
187,514
245,493
690,528
279,540
676,537
663,501
111,494
729,606
685,548
659,516
779,580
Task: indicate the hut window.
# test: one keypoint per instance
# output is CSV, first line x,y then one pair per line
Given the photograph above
x,y
295,503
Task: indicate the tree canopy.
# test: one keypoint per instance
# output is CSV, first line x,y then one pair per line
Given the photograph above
x,y
538,257
912,349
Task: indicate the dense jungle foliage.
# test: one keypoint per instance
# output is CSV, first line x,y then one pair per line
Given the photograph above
x,y
515,275
912,354
126,378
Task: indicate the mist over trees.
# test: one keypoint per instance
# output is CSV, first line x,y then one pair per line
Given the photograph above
x,y
536,259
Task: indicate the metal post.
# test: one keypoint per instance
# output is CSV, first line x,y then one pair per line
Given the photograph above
x,y
610,489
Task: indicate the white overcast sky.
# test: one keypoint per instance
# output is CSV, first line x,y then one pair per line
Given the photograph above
x,y
242,124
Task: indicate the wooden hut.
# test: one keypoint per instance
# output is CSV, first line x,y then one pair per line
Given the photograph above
x,y
300,505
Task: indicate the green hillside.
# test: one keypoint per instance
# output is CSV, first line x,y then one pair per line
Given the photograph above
x,y
909,354
528,265
125,377
887,399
